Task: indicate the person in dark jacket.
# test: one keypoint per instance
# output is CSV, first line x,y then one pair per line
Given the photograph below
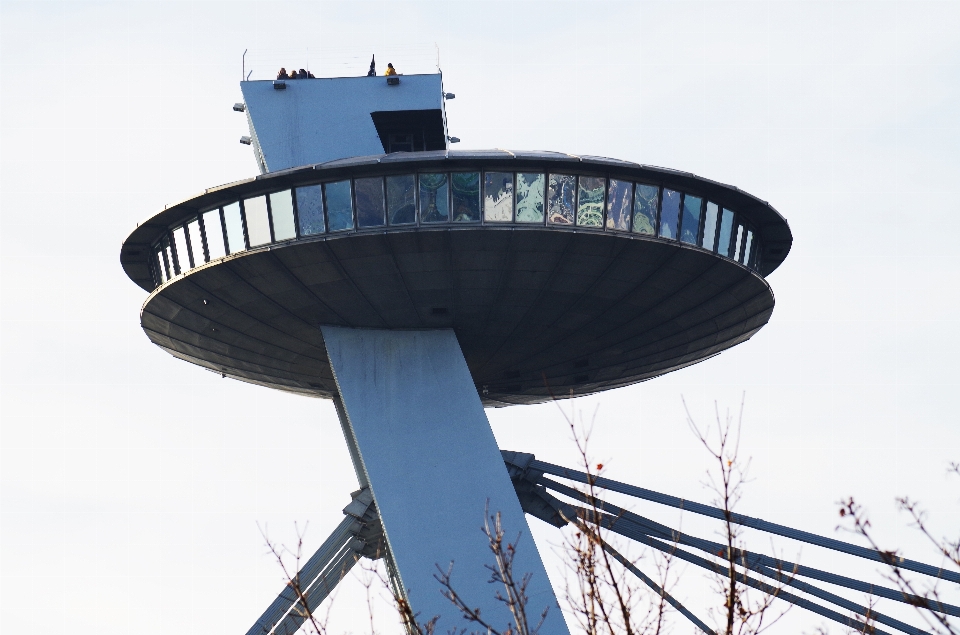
x,y
303,74
283,74
373,67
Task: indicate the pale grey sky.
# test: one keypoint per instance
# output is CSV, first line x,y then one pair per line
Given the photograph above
x,y
132,483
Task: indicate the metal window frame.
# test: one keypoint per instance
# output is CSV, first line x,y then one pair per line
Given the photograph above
x,y
663,197
546,188
479,220
326,208
606,206
416,193
383,204
417,200
516,192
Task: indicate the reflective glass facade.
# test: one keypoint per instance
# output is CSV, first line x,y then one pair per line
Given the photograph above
x,y
431,199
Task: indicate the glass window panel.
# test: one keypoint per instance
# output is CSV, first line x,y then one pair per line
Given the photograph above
x,y
726,233
183,253
258,221
433,198
213,230
561,193
756,253
669,213
369,194
196,242
498,197
466,196
281,211
739,243
339,205
168,254
710,226
590,201
310,210
401,199
530,197
646,199
619,197
161,266
746,248
690,220
234,226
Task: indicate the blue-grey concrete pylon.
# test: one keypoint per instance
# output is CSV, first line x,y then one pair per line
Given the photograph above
x,y
427,450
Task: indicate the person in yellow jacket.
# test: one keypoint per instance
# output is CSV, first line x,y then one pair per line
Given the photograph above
x,y
390,70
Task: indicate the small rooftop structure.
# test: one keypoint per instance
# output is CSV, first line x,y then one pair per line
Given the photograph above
x,y
318,120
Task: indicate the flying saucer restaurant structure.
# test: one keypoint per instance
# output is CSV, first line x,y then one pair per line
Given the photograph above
x,y
414,284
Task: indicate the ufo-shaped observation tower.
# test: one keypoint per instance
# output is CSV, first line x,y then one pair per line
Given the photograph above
x,y
413,284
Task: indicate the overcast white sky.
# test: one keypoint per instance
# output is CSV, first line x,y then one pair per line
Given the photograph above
x,y
132,483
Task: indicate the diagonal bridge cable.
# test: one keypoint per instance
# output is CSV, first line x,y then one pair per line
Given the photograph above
x,y
745,521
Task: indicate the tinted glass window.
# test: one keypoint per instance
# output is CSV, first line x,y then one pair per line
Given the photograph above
x,y
258,222
339,205
498,197
183,252
281,211
161,266
530,197
561,194
310,210
619,197
369,194
466,196
710,226
726,233
196,242
669,213
738,244
590,201
401,199
645,201
433,198
690,220
234,225
213,230
168,254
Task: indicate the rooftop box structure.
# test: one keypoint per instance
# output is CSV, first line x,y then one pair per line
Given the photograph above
x,y
317,120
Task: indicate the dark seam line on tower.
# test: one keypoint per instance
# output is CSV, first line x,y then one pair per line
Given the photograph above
x,y
303,287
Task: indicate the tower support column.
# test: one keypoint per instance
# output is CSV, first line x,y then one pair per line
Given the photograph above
x,y
427,451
